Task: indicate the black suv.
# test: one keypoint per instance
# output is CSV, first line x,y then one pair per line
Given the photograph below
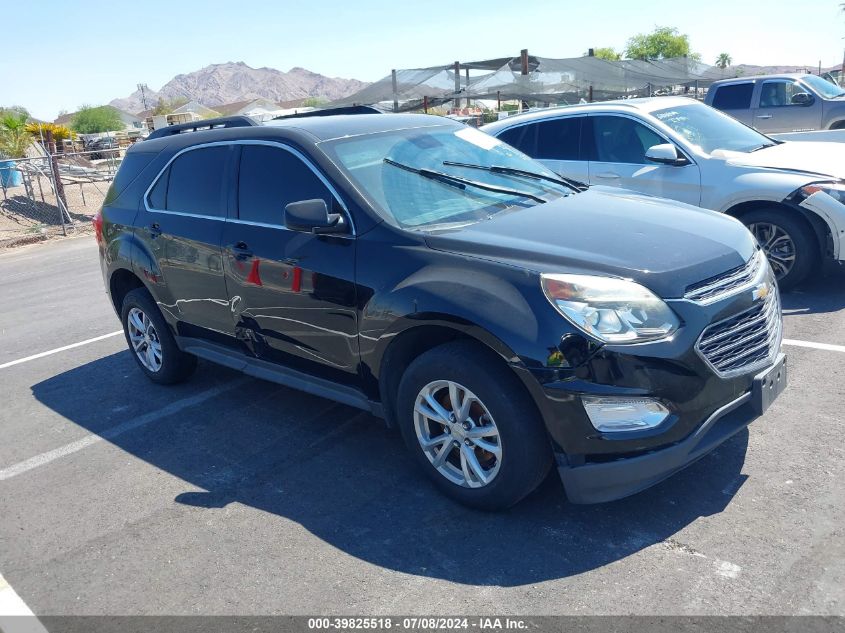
x,y
504,318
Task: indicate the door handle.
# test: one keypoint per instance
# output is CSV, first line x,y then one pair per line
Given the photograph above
x,y
154,230
607,175
765,116
240,250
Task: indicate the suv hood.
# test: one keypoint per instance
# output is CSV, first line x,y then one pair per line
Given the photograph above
x,y
663,245
824,159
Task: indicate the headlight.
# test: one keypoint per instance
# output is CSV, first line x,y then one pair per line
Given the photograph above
x,y
835,190
612,310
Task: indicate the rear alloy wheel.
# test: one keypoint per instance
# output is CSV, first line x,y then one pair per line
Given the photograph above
x,y
471,426
151,342
144,340
789,244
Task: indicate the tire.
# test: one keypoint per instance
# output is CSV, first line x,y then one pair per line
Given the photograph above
x,y
500,404
804,249
165,363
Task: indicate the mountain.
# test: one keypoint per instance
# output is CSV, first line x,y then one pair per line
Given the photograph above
x,y
235,81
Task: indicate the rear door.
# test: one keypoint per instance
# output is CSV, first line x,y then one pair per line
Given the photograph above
x,y
554,142
735,99
617,159
776,112
182,224
292,294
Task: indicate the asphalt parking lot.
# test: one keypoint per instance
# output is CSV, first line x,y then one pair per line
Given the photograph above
x,y
228,495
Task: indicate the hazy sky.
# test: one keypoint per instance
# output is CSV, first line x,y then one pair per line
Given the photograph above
x,y
65,53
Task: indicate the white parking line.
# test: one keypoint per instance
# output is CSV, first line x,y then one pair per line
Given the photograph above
x,y
108,434
59,349
11,610
825,346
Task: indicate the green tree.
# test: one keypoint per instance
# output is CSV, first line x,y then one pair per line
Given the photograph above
x,y
314,102
14,139
91,120
664,42
608,53
724,60
166,106
14,110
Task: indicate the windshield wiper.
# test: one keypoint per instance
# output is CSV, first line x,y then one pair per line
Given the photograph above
x,y
763,146
463,183
513,171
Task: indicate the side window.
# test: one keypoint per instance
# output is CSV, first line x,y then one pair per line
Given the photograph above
x,y
523,138
270,178
559,139
622,140
196,182
776,94
733,96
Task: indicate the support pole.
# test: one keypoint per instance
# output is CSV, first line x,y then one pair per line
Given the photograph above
x,y
395,91
524,59
425,104
467,75
58,187
457,102
498,101
590,98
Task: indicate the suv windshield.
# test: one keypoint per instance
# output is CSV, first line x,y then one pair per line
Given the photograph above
x,y
710,129
414,177
823,87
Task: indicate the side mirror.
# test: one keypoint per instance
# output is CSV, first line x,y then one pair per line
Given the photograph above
x,y
802,98
665,154
312,216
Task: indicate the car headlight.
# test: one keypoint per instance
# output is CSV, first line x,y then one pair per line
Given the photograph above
x,y
835,190
611,310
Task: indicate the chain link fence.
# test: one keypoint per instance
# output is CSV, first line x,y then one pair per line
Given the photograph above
x,y
51,195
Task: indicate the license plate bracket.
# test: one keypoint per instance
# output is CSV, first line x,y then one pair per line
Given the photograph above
x,y
768,385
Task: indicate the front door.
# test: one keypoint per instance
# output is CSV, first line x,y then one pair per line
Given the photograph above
x,y
292,293
617,159
776,112
182,225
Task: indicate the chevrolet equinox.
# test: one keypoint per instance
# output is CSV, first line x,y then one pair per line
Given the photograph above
x,y
505,319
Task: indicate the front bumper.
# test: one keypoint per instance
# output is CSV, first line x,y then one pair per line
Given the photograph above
x,y
596,482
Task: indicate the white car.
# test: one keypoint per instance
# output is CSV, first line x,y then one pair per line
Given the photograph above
x,y
791,195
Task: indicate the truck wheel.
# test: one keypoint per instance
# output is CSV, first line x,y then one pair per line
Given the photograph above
x,y
789,243
151,342
472,427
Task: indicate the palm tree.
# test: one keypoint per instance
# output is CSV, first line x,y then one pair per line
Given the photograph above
x,y
723,60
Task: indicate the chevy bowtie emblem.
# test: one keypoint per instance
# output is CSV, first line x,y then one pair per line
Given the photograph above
x,y
761,291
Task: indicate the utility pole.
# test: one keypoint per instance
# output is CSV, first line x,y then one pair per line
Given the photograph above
x,y
143,88
457,85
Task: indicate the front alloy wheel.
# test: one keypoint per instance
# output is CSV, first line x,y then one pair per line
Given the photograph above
x,y
778,246
144,339
457,434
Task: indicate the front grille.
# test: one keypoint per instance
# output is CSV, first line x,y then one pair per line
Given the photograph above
x,y
745,341
718,287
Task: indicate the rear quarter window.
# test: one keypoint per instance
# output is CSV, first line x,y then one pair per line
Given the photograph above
x,y
131,165
733,96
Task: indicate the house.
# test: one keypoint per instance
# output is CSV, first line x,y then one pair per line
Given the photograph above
x,y
197,108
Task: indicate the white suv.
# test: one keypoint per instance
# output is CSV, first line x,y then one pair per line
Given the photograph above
x,y
791,195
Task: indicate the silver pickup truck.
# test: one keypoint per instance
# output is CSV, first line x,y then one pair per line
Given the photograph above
x,y
781,103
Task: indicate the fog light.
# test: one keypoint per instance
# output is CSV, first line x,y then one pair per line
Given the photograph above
x,y
611,414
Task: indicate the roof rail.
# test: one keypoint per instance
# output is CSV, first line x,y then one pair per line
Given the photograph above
x,y
203,124
355,109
